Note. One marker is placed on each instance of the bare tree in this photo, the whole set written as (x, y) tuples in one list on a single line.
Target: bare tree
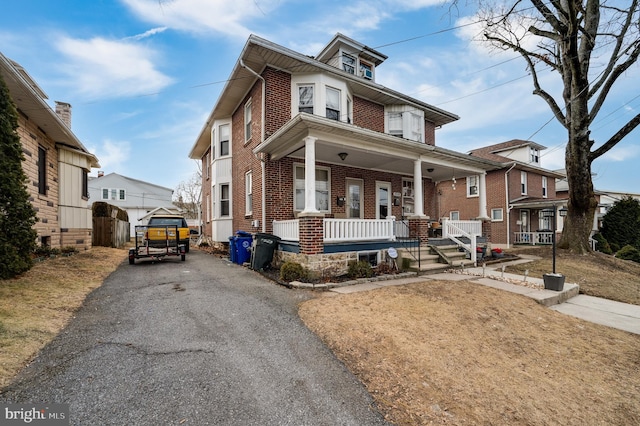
[(565, 35), (187, 196)]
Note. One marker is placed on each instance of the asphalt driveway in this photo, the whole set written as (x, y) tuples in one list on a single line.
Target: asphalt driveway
[(201, 342)]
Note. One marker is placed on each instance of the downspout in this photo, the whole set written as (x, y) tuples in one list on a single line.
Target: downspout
[(506, 194), (263, 200)]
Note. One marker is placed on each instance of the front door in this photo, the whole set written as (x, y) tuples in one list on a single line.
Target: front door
[(354, 199), (383, 200)]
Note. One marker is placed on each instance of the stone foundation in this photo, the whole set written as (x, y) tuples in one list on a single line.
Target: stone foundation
[(323, 264)]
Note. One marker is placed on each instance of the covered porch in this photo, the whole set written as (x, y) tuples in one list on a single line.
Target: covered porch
[(535, 221)]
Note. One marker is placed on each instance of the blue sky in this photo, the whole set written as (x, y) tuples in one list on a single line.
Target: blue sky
[(142, 75)]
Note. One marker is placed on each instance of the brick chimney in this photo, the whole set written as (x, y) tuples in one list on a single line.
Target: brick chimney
[(63, 110)]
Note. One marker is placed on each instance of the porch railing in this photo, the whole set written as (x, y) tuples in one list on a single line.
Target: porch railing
[(287, 230), (471, 229), (358, 229), (339, 230), (533, 238)]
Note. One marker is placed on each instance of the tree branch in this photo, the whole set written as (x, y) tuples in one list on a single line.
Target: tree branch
[(620, 134)]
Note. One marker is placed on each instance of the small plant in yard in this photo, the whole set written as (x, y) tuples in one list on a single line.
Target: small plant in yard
[(629, 252), (360, 269), (292, 271)]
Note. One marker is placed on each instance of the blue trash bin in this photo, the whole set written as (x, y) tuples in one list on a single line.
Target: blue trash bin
[(243, 247), (233, 251)]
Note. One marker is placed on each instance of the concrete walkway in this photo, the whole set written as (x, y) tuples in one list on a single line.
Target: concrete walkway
[(622, 316)]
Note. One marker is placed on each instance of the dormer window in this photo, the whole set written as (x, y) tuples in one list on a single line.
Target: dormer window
[(534, 156), (366, 70), (349, 63)]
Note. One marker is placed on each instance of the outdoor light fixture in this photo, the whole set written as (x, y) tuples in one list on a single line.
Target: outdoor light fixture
[(429, 170), (563, 211), (342, 155), (553, 281)]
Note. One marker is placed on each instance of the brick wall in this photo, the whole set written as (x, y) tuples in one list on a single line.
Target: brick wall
[(368, 115), (46, 205)]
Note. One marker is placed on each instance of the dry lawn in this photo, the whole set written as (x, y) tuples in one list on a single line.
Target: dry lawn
[(444, 352), (597, 274), (37, 305)]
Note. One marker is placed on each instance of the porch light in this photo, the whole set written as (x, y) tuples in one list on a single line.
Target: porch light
[(342, 155), (563, 211)]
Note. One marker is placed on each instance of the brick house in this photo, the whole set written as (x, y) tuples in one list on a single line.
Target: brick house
[(373, 151), (56, 163), (517, 195)]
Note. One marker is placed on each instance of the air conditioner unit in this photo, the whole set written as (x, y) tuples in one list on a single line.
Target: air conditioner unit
[(368, 74)]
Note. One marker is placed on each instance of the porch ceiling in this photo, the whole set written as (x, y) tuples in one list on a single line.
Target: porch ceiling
[(367, 149)]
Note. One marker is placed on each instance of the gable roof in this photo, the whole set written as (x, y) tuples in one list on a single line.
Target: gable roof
[(259, 53), (30, 100), (494, 152), (151, 187)]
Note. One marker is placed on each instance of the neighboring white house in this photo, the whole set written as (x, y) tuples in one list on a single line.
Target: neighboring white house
[(137, 197)]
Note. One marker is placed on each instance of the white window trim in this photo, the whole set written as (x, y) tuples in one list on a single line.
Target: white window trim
[(300, 208), (219, 214), (545, 187), (313, 104), (248, 123), (409, 115), (456, 213), (493, 218), (524, 187), (469, 186), (326, 101), (228, 125), (248, 188), (117, 194), (368, 253)]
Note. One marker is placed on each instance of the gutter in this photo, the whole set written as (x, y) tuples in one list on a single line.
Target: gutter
[(263, 200), (508, 207)]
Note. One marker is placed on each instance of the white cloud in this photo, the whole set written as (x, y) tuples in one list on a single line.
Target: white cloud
[(221, 16), (112, 155), (109, 68), (623, 151), (148, 33)]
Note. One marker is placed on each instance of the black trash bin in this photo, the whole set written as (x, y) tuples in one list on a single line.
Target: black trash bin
[(265, 245)]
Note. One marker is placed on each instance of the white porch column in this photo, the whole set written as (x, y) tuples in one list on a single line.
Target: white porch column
[(310, 175), (417, 187), (482, 198)]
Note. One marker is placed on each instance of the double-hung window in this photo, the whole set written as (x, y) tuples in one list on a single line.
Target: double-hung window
[(534, 155), (523, 182), (248, 189), (224, 200), (472, 186), (322, 188), (247, 121), (305, 98), (349, 63), (333, 103), (544, 187), (223, 131)]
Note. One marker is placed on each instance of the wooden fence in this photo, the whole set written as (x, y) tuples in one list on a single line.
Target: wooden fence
[(110, 232)]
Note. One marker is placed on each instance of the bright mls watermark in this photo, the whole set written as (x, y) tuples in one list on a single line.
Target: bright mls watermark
[(35, 414)]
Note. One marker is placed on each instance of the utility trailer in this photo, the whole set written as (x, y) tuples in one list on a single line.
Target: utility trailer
[(157, 242)]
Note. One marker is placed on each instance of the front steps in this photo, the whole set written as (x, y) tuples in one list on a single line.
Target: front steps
[(434, 259)]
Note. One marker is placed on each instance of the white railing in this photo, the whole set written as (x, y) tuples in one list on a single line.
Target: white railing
[(339, 230), (401, 228), (336, 230), (457, 228), (533, 238), (471, 229), (287, 230)]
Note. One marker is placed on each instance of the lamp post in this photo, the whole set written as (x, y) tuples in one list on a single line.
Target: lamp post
[(553, 281)]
